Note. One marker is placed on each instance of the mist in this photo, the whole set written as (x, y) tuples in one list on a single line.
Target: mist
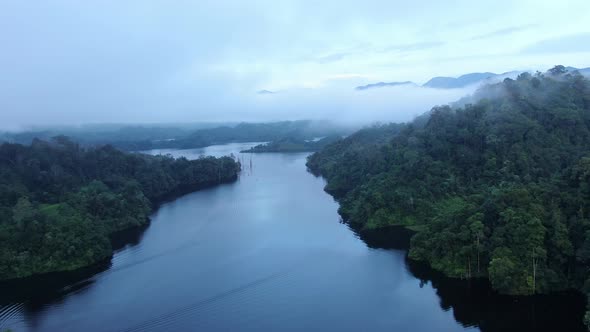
[(334, 102), (69, 63), (343, 105)]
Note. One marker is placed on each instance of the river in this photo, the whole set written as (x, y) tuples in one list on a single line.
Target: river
[(267, 253)]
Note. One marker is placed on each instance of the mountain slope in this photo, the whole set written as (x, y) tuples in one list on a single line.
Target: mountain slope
[(448, 82), (59, 203), (459, 82), (498, 189)]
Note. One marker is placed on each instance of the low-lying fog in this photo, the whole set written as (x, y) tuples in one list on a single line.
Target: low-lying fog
[(72, 62)]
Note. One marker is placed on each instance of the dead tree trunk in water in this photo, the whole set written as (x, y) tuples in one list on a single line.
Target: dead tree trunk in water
[(478, 254), (534, 271)]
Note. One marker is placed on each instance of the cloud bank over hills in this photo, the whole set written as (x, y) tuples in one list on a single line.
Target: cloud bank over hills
[(70, 62), (463, 81)]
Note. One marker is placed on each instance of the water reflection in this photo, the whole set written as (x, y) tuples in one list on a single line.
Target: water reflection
[(31, 296), (128, 238), (474, 303), (263, 254)]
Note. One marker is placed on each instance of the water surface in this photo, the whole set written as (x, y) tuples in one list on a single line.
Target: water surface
[(266, 253)]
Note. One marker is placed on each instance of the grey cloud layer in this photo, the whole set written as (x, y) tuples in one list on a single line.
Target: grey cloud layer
[(67, 61)]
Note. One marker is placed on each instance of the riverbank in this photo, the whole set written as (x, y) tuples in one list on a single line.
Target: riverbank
[(268, 253), (61, 203), (101, 263)]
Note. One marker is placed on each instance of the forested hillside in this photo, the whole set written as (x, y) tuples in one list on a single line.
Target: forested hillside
[(354, 159), (499, 188), (60, 202)]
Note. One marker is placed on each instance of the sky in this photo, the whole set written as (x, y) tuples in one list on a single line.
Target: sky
[(73, 62)]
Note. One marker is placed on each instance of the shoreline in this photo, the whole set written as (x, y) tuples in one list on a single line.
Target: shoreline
[(115, 239)]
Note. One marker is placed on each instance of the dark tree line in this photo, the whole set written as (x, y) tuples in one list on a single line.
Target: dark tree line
[(498, 188), (141, 138), (283, 134), (60, 202), (291, 144)]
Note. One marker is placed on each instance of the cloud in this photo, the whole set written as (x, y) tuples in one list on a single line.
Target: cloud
[(561, 44), (70, 62), (332, 57), (414, 46), (265, 92), (336, 101), (504, 31)]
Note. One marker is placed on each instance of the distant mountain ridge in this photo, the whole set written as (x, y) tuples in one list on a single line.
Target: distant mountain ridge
[(444, 82), (583, 71)]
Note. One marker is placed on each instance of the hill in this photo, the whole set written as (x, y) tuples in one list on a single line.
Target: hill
[(59, 203), (443, 82), (459, 82), (499, 188)]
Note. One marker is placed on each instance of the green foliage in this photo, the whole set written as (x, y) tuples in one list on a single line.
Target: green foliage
[(504, 273), (354, 156), (497, 188), (59, 203), (291, 144)]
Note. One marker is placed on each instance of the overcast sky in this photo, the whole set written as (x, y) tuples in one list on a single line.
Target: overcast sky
[(149, 61)]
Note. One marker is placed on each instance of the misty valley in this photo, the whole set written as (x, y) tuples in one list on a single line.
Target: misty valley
[(473, 216), (295, 165)]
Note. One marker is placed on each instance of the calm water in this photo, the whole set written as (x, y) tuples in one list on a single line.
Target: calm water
[(267, 253)]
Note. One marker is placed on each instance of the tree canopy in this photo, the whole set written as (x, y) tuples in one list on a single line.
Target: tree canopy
[(496, 188), (60, 202)]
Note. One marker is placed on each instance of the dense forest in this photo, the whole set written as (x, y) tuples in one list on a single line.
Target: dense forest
[(497, 188), (59, 202)]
